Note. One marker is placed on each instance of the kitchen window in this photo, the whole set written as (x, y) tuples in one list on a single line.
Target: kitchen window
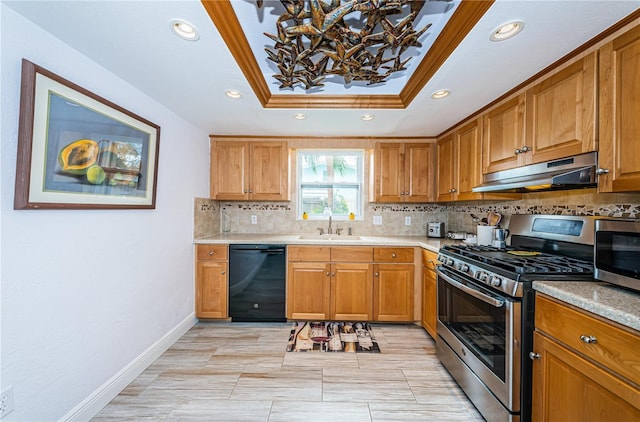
[(330, 183)]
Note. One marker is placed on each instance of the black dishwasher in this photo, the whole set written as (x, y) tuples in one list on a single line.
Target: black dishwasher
[(257, 282)]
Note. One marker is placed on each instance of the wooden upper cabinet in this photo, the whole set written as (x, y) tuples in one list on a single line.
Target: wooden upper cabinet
[(403, 172), (503, 135), (389, 172), (418, 172), (446, 169), (555, 118), (619, 122), (249, 171), (460, 165), (229, 170), (269, 175), (561, 113), (468, 144)]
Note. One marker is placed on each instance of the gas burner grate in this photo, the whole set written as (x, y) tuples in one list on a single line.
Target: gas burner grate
[(543, 263)]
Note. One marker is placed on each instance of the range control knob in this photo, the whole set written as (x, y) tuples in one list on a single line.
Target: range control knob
[(449, 262), (482, 276), (496, 281), (464, 268)]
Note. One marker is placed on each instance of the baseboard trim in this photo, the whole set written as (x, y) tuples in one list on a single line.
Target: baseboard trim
[(90, 406)]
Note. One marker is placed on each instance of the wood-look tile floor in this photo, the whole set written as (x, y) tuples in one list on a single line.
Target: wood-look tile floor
[(222, 371)]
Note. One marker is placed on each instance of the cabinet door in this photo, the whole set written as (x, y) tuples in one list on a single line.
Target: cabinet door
[(468, 147), (561, 113), (619, 125), (352, 292), (429, 296), (389, 172), (503, 135), (418, 175), (567, 387), (393, 292), (229, 170), (446, 169), (211, 289), (308, 290), (269, 176)]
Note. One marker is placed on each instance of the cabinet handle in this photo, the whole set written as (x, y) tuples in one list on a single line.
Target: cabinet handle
[(393, 255), (250, 191), (327, 273), (245, 191), (224, 272), (525, 149), (211, 253), (376, 274), (534, 355), (333, 274), (453, 190), (602, 171), (589, 339), (518, 151)]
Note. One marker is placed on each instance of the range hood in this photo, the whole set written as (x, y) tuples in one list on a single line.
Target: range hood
[(578, 171)]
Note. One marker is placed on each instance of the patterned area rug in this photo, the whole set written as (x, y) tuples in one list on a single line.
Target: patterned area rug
[(332, 337)]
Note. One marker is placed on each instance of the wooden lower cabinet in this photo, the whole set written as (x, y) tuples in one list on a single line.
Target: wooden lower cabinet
[(578, 380), (393, 292), (308, 290), (345, 283), (351, 286), (211, 281), (429, 292)]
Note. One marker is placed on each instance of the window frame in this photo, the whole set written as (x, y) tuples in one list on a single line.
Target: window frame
[(359, 185)]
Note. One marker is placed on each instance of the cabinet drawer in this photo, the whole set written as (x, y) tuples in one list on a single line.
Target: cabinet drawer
[(351, 254), (429, 259), (309, 253), (212, 252), (393, 255), (614, 348)]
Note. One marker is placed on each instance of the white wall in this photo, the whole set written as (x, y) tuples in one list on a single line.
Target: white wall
[(86, 293)]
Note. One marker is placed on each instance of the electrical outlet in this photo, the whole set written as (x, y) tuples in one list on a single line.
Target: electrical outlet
[(6, 401), (377, 220), (407, 221), (254, 219)]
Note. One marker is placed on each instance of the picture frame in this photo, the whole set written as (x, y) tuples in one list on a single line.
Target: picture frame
[(77, 150)]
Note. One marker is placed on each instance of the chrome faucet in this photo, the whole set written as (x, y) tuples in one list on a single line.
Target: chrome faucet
[(329, 231)]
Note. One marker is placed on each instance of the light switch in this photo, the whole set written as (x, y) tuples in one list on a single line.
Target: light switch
[(407, 221)]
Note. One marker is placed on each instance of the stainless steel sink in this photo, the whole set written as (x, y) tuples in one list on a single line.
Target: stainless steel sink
[(327, 237)]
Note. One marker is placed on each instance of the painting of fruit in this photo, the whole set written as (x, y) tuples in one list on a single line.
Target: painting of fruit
[(111, 162)]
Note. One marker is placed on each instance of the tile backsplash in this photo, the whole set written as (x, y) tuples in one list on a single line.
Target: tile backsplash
[(212, 217)]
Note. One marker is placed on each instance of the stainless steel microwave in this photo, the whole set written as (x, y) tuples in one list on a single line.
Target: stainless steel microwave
[(617, 252)]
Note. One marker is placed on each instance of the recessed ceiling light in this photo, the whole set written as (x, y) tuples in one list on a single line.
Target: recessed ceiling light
[(232, 93), (506, 31), (367, 117), (300, 116), (441, 93), (184, 30)]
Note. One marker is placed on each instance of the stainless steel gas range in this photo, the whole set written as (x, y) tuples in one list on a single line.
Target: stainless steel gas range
[(486, 307)]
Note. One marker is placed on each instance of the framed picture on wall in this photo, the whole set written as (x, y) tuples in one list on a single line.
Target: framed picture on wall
[(77, 150)]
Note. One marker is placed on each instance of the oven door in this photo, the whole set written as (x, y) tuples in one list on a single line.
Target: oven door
[(483, 329)]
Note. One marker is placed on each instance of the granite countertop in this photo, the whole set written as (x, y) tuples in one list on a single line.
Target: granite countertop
[(603, 299), (329, 240)]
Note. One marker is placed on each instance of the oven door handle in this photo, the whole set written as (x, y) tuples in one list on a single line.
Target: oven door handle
[(473, 292)]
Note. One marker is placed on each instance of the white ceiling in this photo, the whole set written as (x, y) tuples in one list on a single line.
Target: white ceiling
[(133, 40)]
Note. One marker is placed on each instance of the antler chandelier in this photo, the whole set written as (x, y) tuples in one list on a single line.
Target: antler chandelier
[(313, 40)]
